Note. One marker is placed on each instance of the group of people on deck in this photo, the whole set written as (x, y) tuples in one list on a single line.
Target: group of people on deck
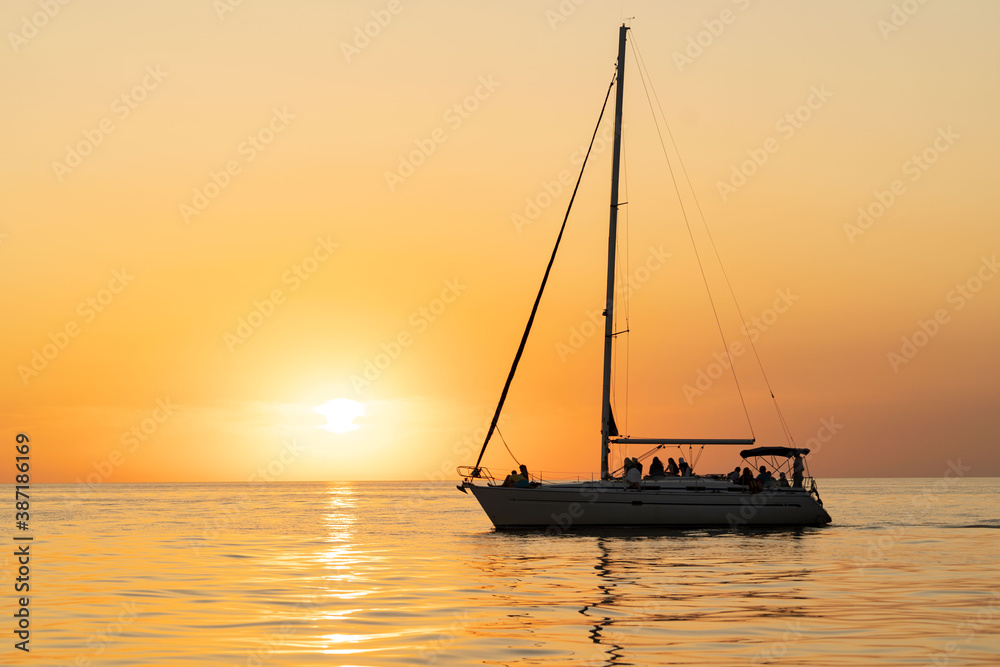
[(634, 476), (763, 480), (656, 469), (518, 478)]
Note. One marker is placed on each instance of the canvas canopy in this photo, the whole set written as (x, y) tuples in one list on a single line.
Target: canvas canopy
[(786, 452)]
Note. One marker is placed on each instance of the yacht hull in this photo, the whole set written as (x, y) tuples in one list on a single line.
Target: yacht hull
[(694, 503)]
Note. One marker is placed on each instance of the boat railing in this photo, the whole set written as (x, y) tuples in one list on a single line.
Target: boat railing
[(470, 473), (808, 485), (551, 477)]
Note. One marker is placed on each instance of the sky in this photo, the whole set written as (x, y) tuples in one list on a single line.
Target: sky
[(218, 216)]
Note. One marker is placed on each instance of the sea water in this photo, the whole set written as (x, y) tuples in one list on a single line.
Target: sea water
[(412, 573)]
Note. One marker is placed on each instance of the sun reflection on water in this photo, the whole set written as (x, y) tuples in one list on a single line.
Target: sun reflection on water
[(310, 574)]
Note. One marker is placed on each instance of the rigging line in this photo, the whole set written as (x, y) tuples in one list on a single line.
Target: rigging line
[(614, 379), (545, 278), (781, 418), (625, 277), (621, 266), (698, 457), (627, 346), (624, 272), (687, 223), (628, 269), (508, 448), (715, 249)]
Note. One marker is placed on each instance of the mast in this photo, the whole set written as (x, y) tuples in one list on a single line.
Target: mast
[(609, 308)]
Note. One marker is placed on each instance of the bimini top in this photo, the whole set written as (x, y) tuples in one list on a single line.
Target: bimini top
[(787, 452)]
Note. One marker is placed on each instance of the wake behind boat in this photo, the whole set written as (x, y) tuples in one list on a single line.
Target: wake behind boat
[(622, 497)]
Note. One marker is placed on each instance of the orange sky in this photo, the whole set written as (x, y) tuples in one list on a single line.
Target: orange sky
[(214, 221)]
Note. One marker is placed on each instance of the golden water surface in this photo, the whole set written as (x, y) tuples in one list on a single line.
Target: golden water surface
[(413, 574)]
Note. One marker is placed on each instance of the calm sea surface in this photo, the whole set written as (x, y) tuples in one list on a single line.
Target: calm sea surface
[(413, 574)]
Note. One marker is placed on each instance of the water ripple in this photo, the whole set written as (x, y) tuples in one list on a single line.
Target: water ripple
[(371, 574)]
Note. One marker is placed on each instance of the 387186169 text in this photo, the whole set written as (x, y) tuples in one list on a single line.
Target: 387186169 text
[(22, 546)]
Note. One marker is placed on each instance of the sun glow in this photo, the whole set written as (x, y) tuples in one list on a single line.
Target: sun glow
[(340, 414)]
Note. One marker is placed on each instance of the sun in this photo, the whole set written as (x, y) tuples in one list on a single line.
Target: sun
[(340, 414)]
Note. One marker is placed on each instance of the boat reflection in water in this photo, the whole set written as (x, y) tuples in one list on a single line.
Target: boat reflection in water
[(637, 600)]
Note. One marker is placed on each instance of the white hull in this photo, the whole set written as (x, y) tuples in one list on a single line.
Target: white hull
[(675, 502)]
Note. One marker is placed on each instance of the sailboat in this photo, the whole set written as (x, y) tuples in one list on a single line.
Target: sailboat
[(666, 500)]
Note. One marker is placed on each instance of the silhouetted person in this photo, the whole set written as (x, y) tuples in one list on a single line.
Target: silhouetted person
[(525, 477), (685, 468), (764, 478), (734, 476), (510, 480), (633, 478), (782, 480), (746, 479), (798, 468), (656, 467), (672, 466)]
